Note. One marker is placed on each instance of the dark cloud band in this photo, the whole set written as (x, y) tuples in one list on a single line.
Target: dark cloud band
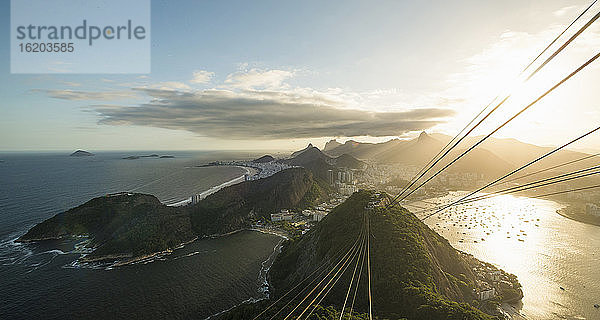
[(264, 115)]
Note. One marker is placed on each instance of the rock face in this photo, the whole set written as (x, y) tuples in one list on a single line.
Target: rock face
[(81, 153), (331, 144), (295, 154)]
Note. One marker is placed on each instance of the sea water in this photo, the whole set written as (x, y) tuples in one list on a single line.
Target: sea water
[(44, 280), (557, 260)]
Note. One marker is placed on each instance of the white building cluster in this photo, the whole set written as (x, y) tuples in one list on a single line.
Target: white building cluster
[(283, 215), (265, 169), (343, 180), (592, 209)]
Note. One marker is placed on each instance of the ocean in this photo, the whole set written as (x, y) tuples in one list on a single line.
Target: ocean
[(557, 260), (43, 281)]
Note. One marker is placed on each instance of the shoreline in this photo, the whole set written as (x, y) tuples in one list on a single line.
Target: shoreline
[(117, 260), (134, 259), (264, 286), (582, 218), (114, 258), (213, 189), (564, 211)]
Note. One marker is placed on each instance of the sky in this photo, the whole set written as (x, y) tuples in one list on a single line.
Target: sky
[(276, 75)]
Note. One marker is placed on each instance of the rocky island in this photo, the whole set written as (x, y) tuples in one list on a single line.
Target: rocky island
[(81, 153)]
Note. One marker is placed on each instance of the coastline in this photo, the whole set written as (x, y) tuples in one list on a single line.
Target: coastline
[(262, 274), (214, 189), (130, 259), (583, 218), (124, 259), (566, 211), (263, 284), (83, 259)]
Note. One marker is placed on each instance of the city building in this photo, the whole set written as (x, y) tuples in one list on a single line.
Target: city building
[(319, 215), (485, 294), (592, 209), (331, 176), (283, 215), (196, 198)]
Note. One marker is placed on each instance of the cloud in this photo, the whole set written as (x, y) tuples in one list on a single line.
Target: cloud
[(201, 77), (263, 114), (88, 95), (258, 104), (562, 11), (256, 78), (71, 84), (170, 85), (60, 66)]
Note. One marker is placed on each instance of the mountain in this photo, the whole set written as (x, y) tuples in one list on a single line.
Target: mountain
[(237, 206), (421, 150), (331, 144), (307, 155), (320, 163), (363, 150), (479, 161), (263, 159), (348, 161), (510, 149), (130, 225), (415, 273), (122, 225), (518, 153), (417, 151), (309, 147), (314, 160), (81, 153)]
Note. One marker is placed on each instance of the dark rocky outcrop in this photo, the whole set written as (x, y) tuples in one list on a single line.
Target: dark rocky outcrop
[(81, 153)]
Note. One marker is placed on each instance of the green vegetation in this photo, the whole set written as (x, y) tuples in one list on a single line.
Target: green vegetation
[(134, 225), (416, 274), (249, 311), (239, 205), (124, 224), (293, 231)]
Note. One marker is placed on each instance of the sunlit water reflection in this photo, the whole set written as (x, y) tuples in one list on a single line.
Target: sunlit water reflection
[(556, 259)]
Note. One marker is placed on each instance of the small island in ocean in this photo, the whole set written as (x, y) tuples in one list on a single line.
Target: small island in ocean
[(81, 153)]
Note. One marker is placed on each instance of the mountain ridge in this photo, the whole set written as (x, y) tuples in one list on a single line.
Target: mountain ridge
[(501, 154)]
